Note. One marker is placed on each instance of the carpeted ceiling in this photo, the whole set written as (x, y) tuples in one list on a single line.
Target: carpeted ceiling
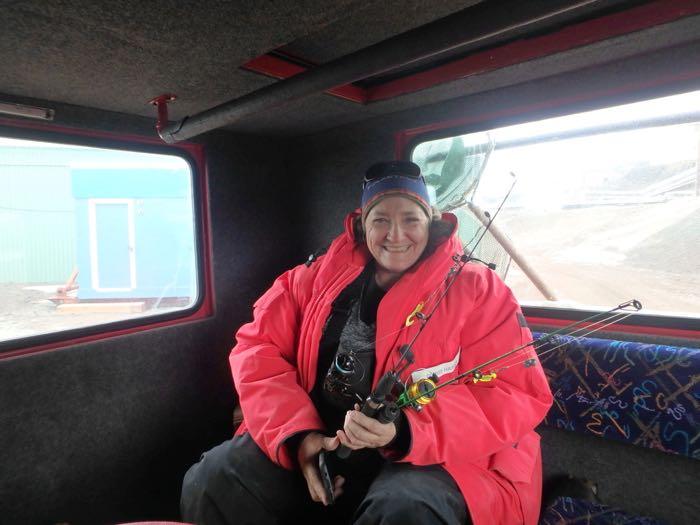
[(118, 55), (372, 23)]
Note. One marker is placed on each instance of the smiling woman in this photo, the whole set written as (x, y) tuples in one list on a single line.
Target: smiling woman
[(396, 217), (299, 394), (396, 234), (165, 167)]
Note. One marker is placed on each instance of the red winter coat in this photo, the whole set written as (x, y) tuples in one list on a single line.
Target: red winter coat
[(481, 433)]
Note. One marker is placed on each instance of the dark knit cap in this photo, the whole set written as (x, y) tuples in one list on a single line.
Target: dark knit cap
[(398, 177)]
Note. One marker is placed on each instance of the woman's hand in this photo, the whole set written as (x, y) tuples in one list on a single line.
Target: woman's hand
[(361, 431), (307, 456)]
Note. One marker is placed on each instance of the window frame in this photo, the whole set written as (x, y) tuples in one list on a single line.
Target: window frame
[(640, 323), (193, 155)]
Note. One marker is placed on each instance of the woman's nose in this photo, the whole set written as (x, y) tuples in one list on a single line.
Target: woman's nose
[(395, 231)]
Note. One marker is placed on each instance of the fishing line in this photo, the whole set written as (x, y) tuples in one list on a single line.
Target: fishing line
[(477, 371), (611, 319), (607, 322)]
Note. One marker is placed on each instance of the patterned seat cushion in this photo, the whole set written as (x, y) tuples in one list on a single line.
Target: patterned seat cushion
[(643, 394), (569, 511)]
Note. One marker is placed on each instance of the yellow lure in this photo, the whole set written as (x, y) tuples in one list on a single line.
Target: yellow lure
[(412, 317), (484, 378)]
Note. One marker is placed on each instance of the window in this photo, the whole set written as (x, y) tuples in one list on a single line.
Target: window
[(90, 236), (605, 206)]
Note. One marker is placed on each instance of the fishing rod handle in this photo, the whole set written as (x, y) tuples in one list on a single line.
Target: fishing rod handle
[(388, 413), (385, 414), (343, 452), (374, 404), (367, 409)]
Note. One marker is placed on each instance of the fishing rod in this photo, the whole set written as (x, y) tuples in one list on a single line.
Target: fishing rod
[(461, 261), (376, 404), (423, 391), (383, 406)]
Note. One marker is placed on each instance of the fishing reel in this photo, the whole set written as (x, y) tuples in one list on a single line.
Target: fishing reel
[(419, 393), (344, 375)]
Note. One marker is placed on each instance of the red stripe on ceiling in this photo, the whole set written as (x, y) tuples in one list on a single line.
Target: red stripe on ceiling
[(584, 33), (578, 35), (273, 66), (621, 328), (276, 67)]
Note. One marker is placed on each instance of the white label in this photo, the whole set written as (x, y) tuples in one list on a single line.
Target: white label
[(438, 370)]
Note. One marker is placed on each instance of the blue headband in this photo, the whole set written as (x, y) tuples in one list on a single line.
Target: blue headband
[(411, 185)]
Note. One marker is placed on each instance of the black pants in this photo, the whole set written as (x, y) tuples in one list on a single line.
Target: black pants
[(236, 484)]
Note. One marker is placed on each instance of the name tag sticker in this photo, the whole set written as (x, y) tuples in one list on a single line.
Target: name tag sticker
[(438, 370)]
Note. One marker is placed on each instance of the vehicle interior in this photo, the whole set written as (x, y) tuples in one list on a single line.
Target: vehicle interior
[(221, 143)]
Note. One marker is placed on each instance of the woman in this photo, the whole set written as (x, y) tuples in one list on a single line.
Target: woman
[(321, 338)]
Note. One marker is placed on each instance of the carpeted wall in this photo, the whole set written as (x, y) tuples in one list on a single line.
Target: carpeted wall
[(103, 432)]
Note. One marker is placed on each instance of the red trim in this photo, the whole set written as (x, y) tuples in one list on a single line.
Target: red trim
[(623, 328), (407, 137), (196, 152), (276, 67), (570, 37), (577, 35), (404, 138), (81, 132)]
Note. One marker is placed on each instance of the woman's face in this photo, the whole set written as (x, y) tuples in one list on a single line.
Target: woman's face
[(396, 231)]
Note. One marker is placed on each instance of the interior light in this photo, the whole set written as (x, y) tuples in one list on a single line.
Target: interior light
[(20, 110)]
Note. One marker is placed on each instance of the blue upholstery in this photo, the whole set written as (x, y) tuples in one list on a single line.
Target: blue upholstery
[(642, 394), (566, 511)]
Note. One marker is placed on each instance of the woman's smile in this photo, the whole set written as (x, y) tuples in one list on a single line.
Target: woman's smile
[(396, 231), (397, 249)]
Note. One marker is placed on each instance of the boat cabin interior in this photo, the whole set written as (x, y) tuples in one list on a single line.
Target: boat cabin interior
[(161, 163)]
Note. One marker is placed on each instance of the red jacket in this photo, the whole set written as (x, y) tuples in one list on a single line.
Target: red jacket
[(481, 433)]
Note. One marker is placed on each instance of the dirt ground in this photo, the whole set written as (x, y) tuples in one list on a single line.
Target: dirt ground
[(606, 255), (25, 310), (594, 257)]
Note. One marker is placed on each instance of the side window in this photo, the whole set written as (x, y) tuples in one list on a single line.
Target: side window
[(605, 206), (90, 236)]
